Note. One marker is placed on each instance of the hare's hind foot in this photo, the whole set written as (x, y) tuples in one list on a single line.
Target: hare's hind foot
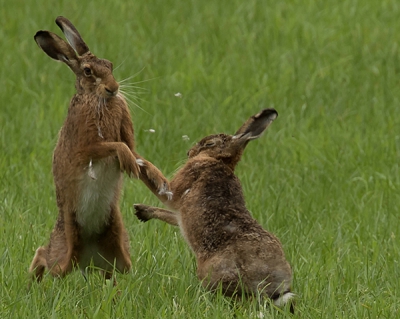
[(38, 264), (287, 298)]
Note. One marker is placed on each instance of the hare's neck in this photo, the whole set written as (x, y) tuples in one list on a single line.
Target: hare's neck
[(78, 87), (99, 107), (231, 162)]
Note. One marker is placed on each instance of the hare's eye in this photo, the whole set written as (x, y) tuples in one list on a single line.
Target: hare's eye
[(87, 71), (210, 144)]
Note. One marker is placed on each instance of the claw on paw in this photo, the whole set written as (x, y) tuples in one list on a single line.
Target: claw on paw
[(163, 191), (169, 195), (134, 175), (140, 162)]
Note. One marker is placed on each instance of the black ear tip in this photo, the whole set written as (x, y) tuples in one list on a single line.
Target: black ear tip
[(62, 21), (38, 34), (270, 112), (41, 36), (59, 21)]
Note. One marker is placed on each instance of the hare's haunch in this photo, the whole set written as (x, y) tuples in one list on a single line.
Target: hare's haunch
[(94, 148), (232, 250)]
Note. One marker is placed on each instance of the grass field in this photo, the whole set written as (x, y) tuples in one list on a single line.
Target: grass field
[(325, 178)]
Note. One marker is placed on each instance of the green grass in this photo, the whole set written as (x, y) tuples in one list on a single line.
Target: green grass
[(325, 178)]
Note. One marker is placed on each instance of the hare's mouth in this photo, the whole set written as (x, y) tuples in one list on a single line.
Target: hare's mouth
[(107, 91)]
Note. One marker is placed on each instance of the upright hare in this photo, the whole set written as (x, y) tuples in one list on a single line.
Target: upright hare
[(231, 248), (94, 148)]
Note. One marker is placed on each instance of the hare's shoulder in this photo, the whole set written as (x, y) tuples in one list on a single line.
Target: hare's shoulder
[(193, 169), (203, 166)]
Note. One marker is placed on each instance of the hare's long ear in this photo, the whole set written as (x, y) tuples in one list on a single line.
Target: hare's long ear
[(56, 48), (256, 125), (72, 35)]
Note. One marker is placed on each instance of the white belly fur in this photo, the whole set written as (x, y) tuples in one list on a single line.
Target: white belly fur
[(97, 191)]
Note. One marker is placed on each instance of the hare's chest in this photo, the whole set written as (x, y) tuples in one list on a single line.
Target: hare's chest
[(99, 187)]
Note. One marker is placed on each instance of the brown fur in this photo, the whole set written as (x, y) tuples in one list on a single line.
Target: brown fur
[(94, 148), (231, 248)]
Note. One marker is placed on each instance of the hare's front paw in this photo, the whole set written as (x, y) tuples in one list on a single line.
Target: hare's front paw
[(143, 212), (133, 169), (152, 176), (130, 166), (140, 162), (165, 190)]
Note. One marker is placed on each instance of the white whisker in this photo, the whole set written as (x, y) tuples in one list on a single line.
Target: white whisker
[(133, 87), (132, 96), (132, 76), (132, 90), (120, 64), (129, 100), (157, 77)]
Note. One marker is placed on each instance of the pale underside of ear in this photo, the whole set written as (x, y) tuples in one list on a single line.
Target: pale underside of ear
[(256, 125), (72, 35)]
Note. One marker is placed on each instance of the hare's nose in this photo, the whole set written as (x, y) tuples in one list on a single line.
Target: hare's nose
[(111, 90)]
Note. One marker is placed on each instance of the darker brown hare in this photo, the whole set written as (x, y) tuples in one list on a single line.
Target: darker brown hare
[(95, 146), (232, 250)]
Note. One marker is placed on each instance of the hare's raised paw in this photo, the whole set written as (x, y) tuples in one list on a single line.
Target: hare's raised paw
[(132, 169), (143, 212), (153, 178), (140, 162), (127, 160), (160, 183)]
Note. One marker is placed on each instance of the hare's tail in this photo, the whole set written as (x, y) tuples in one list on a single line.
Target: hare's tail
[(284, 299)]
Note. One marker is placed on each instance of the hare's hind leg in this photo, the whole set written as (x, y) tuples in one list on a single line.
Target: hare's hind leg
[(121, 259), (62, 249), (56, 256), (220, 272), (58, 267), (145, 213), (38, 264), (114, 245)]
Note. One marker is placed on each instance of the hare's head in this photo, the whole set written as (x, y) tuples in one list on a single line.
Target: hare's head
[(229, 148), (93, 75)]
